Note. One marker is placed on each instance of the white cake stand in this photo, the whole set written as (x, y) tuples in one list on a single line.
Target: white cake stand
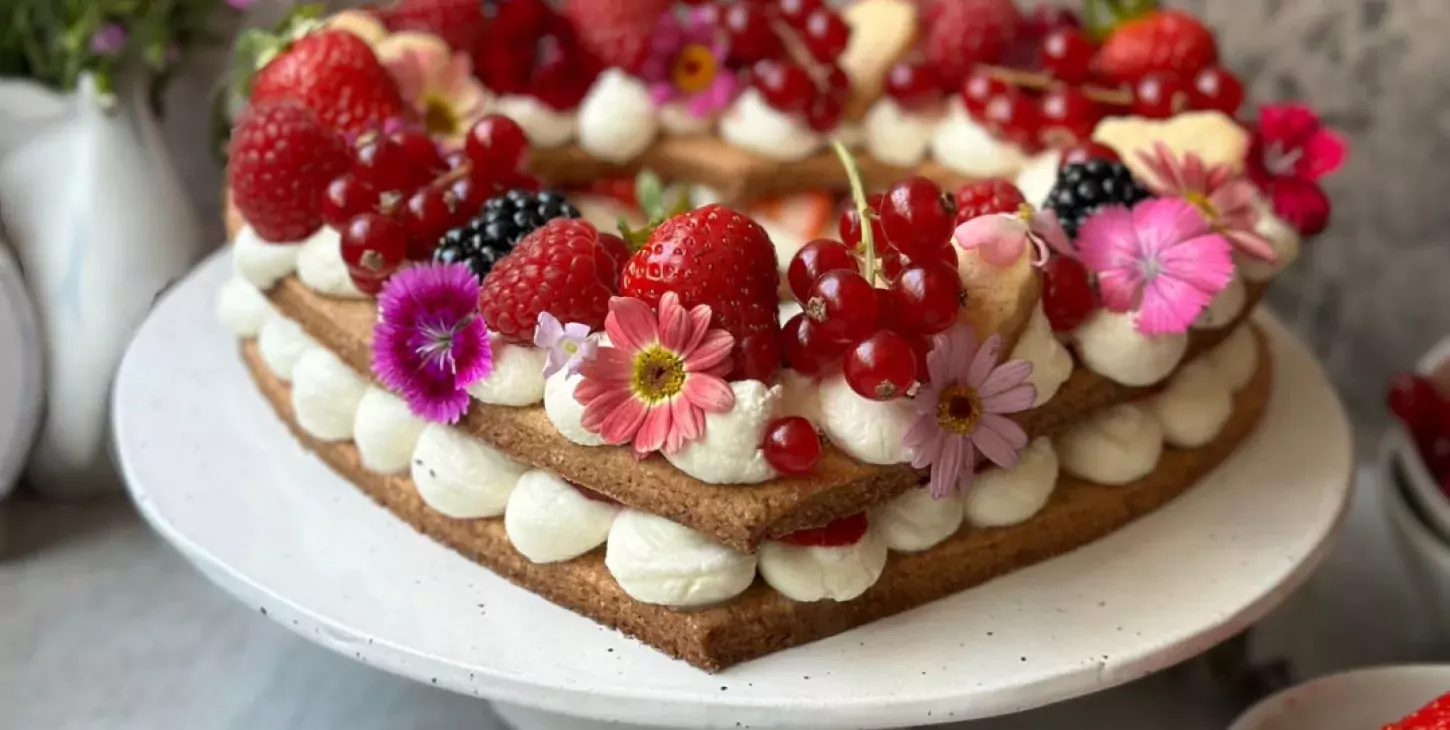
[(219, 476)]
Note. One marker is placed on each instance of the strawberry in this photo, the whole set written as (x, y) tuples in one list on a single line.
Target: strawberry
[(963, 33), (1434, 716), (1169, 41), (335, 74), (564, 268), (280, 162), (716, 256), (993, 195), (460, 23), (616, 31)]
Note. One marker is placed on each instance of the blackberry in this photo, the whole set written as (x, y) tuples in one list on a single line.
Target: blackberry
[(1083, 187), (499, 226)]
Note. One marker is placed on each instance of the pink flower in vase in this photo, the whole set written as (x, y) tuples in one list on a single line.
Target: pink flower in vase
[(1226, 201), (657, 378), (1288, 153), (1160, 258), (686, 63)]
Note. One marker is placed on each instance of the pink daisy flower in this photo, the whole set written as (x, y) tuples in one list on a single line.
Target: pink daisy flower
[(1225, 200), (1000, 238), (430, 343), (961, 410), (1160, 258), (686, 63), (658, 376)]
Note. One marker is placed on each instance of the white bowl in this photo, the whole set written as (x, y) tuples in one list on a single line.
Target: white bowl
[(1419, 483), (20, 373), (1426, 553), (1363, 699)]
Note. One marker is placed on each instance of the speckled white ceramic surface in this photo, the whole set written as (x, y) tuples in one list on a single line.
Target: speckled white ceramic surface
[(1360, 700), (217, 475)]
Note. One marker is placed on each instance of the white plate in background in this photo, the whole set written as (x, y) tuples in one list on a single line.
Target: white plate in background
[(1363, 699), (20, 374)]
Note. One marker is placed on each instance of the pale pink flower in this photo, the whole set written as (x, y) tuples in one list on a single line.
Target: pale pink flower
[(658, 376), (1000, 238), (436, 81), (1227, 201), (960, 410), (1160, 258), (569, 345)]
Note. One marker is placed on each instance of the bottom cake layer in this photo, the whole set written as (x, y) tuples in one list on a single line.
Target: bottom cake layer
[(762, 621)]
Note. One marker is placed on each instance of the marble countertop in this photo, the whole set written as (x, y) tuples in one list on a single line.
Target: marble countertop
[(105, 626)]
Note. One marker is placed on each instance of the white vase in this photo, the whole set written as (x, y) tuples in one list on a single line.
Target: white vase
[(101, 226)]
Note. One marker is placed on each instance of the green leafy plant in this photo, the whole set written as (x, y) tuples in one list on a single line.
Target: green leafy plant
[(54, 42)]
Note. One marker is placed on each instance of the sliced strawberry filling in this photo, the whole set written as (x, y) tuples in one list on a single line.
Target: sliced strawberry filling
[(837, 533)]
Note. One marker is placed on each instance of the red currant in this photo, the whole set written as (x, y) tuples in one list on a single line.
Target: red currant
[(382, 164), (993, 195), (424, 162), (837, 533), (756, 357), (1067, 295), (805, 349), (916, 216), (825, 34), (497, 143), (751, 37), (825, 113), (927, 298), (1085, 151), (894, 262), (1159, 96), (1067, 117), (427, 215), (880, 367), (1416, 402), (796, 12), (913, 85), (470, 197), (812, 260), (979, 89), (373, 247), (344, 198), (1012, 115), (1216, 88), (455, 159), (791, 445), (1066, 54), (842, 305), (849, 224), (785, 86)]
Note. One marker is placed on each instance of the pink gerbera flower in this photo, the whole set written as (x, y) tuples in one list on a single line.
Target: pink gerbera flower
[(1000, 238), (1290, 150), (1225, 200), (686, 63), (430, 343), (960, 410), (658, 376), (1160, 258)]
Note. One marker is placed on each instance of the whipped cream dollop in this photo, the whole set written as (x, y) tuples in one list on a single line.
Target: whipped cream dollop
[(321, 268), (260, 262), (898, 136), (325, 395), (517, 378), (1038, 175), (1194, 406), (1282, 236), (544, 125), (675, 118), (1112, 347), (565, 412), (1001, 497), (816, 573), (617, 119), (549, 521), (729, 451), (915, 521), (868, 430), (385, 432), (460, 476), (1116, 445), (786, 243), (1224, 307), (967, 147), (800, 395), (1236, 358), (665, 563), (753, 124), (281, 342), (1051, 362), (242, 307)]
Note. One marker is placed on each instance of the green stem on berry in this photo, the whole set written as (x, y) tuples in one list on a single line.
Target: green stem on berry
[(858, 196), (649, 193)]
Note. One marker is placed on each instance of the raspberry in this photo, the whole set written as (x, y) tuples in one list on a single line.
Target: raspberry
[(993, 195), (281, 161), (562, 268)]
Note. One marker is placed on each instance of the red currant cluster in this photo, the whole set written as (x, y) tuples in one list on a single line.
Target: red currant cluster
[(1425, 412), (401, 194), (790, 48), (881, 335)]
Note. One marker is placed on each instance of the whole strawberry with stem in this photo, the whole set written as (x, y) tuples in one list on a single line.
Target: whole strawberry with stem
[(332, 72), (460, 23), (1163, 41), (281, 161), (715, 256)]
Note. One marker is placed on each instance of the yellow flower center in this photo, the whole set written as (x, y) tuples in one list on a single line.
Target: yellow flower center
[(1200, 201), (658, 375), (694, 69), (959, 409), (439, 118)]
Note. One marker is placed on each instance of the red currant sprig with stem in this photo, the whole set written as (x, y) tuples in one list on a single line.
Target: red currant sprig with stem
[(866, 251)]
